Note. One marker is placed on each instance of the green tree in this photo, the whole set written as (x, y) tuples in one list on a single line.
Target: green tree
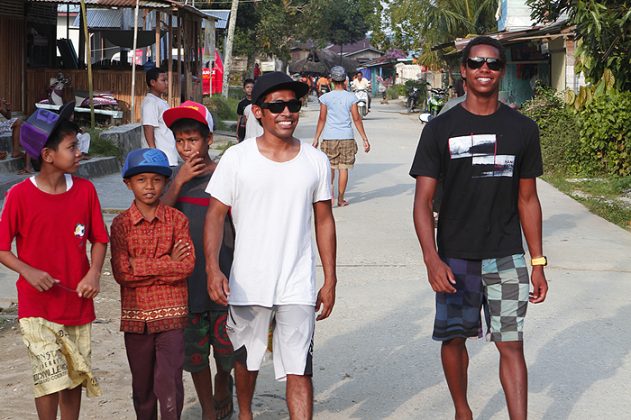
[(422, 24), (603, 32)]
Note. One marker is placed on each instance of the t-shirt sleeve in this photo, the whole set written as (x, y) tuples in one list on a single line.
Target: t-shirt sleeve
[(352, 99), (98, 231), (427, 158), (240, 107), (8, 221), (323, 191), (150, 114), (324, 99), (223, 182), (532, 163)]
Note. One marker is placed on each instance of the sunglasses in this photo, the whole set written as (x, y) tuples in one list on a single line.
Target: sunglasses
[(494, 64), (294, 105)]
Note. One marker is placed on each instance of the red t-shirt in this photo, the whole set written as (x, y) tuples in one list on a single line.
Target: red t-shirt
[(51, 232)]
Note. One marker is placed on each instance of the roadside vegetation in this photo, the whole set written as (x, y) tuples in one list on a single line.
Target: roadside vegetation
[(586, 145)]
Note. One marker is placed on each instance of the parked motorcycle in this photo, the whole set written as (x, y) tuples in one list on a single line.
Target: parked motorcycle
[(56, 91), (414, 96), (362, 103), (436, 99), (102, 100)]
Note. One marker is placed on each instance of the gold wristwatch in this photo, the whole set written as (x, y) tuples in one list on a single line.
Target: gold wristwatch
[(543, 261)]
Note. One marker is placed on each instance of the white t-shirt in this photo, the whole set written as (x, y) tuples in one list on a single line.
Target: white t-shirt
[(363, 84), (252, 126), (272, 208), (152, 109)]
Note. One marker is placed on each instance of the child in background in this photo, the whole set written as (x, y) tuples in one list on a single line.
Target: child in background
[(52, 216), (192, 128), (152, 256)]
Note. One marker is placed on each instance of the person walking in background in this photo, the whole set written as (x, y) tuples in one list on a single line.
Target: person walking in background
[(155, 132), (488, 157), (276, 188), (152, 255), (248, 84), (337, 109)]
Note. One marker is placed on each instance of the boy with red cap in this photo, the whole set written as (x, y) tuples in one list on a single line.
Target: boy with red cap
[(192, 127), (52, 216)]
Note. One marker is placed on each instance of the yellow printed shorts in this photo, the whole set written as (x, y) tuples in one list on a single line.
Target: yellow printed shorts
[(60, 356), (341, 153)]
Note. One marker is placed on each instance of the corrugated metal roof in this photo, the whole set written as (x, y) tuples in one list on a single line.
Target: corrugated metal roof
[(145, 4), (102, 18), (221, 17)]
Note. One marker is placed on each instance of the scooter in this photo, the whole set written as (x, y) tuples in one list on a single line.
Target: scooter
[(362, 103), (435, 102), (101, 99), (413, 97), (55, 92)]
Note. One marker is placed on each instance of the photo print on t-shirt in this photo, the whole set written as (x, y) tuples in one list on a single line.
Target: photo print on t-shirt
[(482, 149)]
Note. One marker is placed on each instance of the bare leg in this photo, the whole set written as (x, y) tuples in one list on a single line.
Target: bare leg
[(341, 187), (222, 389), (47, 406), (514, 378), (15, 137), (332, 183), (70, 403), (455, 364), (204, 389), (300, 397), (245, 383)]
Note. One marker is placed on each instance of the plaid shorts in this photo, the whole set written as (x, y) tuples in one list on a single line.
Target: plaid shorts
[(500, 286), (341, 153), (203, 330)]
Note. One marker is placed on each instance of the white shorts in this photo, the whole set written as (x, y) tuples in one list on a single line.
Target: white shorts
[(248, 328)]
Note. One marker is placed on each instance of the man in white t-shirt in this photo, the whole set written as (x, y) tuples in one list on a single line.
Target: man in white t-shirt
[(360, 83), (274, 186), (155, 132)]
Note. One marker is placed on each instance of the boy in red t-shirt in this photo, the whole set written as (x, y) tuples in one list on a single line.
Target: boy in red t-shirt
[(52, 216)]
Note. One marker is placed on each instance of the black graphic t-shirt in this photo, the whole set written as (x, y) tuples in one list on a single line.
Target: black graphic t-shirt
[(480, 160)]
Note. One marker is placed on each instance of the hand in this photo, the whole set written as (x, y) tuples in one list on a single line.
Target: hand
[(191, 168), (39, 279), (218, 288), (89, 286), (326, 300), (315, 143), (539, 285), (366, 146), (180, 251), (440, 276)]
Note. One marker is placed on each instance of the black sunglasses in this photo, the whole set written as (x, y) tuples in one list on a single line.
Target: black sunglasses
[(494, 64), (294, 105)]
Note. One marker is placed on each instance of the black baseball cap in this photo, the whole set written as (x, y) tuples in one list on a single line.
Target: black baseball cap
[(276, 80)]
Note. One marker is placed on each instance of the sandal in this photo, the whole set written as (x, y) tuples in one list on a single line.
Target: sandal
[(25, 171), (225, 407)]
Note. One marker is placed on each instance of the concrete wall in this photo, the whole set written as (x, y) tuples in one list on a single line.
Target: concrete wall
[(126, 137)]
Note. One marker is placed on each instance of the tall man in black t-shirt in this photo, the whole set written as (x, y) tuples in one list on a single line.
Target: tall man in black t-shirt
[(488, 157)]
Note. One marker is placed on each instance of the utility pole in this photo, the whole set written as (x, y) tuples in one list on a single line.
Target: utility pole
[(227, 61)]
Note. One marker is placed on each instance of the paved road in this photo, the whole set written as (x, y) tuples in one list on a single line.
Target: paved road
[(374, 357)]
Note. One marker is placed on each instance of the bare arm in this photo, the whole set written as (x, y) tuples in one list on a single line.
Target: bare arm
[(320, 127), (439, 274), (39, 279), (149, 135), (327, 246), (357, 119), (218, 287), (90, 284), (531, 222)]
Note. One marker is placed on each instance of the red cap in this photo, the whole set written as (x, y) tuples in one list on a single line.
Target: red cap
[(188, 109)]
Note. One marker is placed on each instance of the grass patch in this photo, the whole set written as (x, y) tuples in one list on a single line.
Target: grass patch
[(222, 108), (101, 147), (600, 195)]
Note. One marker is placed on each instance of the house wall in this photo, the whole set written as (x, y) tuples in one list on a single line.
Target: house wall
[(364, 56), (514, 14), (12, 52), (558, 64)]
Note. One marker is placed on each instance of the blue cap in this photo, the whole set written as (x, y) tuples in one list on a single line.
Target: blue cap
[(141, 161)]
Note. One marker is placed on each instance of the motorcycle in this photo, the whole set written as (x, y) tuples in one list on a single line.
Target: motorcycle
[(56, 92), (435, 102), (101, 99), (362, 103), (414, 95)]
